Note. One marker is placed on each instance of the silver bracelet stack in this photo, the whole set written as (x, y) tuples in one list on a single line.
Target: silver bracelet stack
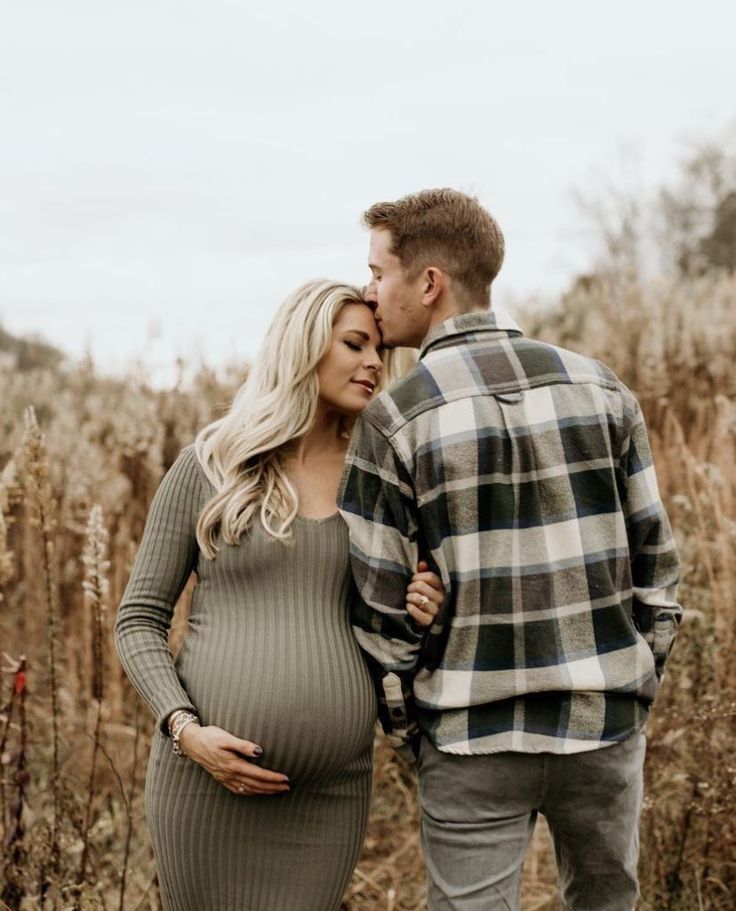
[(177, 721)]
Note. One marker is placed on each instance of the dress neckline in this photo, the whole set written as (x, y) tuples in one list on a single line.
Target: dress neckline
[(319, 521)]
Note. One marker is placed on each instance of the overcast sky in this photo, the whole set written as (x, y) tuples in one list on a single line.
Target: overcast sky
[(170, 170)]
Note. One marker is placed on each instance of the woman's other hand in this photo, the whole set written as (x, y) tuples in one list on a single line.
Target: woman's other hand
[(424, 596), (226, 758)]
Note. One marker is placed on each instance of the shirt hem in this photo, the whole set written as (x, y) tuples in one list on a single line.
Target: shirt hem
[(566, 746)]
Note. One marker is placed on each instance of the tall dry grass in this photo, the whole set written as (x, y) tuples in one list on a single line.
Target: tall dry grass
[(74, 491), (674, 344)]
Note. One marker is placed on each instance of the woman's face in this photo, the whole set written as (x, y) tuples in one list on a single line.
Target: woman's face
[(349, 371)]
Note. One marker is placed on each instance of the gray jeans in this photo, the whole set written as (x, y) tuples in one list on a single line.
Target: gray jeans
[(478, 815)]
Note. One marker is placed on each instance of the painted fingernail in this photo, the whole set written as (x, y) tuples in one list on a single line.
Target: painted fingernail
[(257, 751)]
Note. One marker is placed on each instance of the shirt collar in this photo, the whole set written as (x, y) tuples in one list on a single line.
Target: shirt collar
[(465, 323)]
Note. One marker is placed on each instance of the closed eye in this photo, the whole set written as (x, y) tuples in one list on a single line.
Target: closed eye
[(354, 345)]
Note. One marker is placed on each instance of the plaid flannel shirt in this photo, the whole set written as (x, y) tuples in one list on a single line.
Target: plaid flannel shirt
[(523, 473)]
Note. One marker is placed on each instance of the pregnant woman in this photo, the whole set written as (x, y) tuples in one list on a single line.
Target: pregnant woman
[(258, 781)]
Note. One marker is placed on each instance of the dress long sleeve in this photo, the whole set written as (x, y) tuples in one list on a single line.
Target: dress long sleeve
[(166, 558)]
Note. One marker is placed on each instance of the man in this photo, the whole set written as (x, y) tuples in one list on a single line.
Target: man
[(524, 473)]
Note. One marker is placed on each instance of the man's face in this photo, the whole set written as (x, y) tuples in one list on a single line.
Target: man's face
[(397, 298)]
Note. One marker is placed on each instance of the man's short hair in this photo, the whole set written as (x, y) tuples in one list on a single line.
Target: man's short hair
[(447, 229)]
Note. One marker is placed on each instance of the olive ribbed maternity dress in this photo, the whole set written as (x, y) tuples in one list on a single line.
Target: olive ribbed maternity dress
[(269, 657)]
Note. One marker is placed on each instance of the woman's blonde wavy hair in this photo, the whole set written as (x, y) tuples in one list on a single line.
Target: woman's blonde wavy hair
[(242, 453)]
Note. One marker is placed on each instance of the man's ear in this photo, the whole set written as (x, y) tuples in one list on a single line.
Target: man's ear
[(435, 282)]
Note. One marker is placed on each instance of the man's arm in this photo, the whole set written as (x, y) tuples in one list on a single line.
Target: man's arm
[(377, 501), (654, 561)]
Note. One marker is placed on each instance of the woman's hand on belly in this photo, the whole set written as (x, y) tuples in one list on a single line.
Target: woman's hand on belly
[(223, 756)]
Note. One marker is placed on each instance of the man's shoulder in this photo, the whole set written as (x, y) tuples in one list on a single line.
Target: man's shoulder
[(542, 359), (496, 367), (580, 368)]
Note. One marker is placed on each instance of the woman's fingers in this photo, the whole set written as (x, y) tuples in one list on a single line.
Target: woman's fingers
[(432, 580), (246, 778), (421, 608), (232, 762), (243, 769), (249, 769), (423, 617), (260, 776), (424, 596), (244, 785), (246, 788), (248, 748), (422, 587), (427, 604)]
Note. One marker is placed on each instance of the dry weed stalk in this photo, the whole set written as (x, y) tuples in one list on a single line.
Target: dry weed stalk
[(7, 561), (6, 719), (688, 831), (14, 848), (95, 587), (40, 503), (11, 568), (129, 804)]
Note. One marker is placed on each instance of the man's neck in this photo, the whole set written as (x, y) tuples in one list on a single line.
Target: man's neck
[(445, 310), (449, 309)]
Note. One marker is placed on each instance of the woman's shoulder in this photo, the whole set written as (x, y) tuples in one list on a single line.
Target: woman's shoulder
[(180, 490), (185, 469), (187, 458), (189, 464)]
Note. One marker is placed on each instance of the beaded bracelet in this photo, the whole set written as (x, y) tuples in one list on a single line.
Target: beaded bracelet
[(178, 720)]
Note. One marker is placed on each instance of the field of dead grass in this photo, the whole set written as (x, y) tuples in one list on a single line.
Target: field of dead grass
[(78, 472)]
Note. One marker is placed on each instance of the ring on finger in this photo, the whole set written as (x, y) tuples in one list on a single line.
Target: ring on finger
[(241, 788), (423, 601)]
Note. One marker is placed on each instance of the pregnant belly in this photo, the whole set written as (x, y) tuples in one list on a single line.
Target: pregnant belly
[(311, 709)]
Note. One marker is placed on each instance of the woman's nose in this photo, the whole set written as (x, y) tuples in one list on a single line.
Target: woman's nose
[(374, 362)]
